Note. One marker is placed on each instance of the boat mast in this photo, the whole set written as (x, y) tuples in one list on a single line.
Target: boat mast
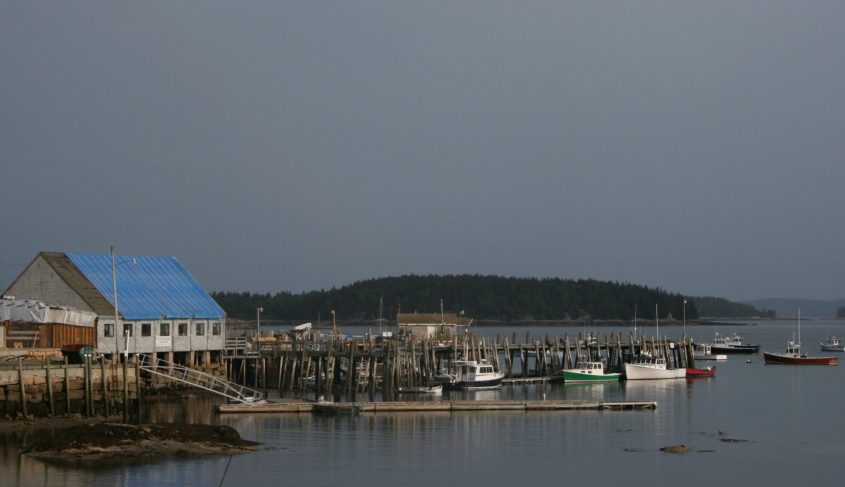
[(635, 321), (657, 326), (380, 317)]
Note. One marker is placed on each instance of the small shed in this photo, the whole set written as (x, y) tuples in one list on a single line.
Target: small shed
[(436, 326)]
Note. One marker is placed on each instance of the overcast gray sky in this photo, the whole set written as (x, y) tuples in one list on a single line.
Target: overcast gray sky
[(289, 146)]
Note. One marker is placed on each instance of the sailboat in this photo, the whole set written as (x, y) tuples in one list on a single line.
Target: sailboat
[(648, 367), (794, 356)]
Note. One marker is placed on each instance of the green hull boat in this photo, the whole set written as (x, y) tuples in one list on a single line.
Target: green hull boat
[(588, 372)]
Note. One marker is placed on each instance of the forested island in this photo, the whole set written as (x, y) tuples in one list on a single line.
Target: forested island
[(484, 298)]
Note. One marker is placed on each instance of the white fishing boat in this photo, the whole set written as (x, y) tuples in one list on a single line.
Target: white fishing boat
[(646, 368), (703, 351), (832, 344), (437, 389), (469, 374)]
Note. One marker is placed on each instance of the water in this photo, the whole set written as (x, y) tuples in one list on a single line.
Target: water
[(781, 423)]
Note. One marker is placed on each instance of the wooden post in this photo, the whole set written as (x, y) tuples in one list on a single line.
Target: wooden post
[(125, 392), (508, 359), (386, 371), (67, 388), (373, 378), (23, 387), (302, 372), (106, 405), (318, 380), (50, 389), (281, 361), (89, 387), (137, 386), (293, 365)]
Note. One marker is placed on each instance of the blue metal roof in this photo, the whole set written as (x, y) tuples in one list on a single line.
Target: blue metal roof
[(148, 288)]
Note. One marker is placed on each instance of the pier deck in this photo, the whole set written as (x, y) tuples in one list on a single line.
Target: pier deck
[(446, 406)]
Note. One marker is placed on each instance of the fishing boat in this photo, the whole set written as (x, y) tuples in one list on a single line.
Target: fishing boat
[(693, 373), (704, 351), (732, 344), (832, 344), (469, 374), (647, 367), (794, 356), (588, 372)]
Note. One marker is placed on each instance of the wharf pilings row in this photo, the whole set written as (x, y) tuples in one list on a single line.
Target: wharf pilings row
[(49, 387), (330, 365)]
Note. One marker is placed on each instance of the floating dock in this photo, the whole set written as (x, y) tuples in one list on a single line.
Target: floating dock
[(431, 406)]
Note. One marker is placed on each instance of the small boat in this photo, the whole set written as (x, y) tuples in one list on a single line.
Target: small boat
[(469, 374), (693, 373), (793, 355), (732, 344), (438, 389), (588, 372), (832, 344), (704, 351), (646, 368)]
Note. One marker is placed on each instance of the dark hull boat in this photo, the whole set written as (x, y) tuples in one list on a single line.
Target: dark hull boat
[(469, 374), (735, 349)]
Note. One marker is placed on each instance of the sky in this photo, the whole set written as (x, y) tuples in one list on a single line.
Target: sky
[(291, 146)]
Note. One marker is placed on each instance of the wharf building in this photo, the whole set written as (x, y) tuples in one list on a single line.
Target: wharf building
[(122, 305), (436, 326)]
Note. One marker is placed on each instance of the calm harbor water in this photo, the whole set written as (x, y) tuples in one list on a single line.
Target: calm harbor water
[(751, 423)]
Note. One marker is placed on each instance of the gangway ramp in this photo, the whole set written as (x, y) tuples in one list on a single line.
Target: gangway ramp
[(195, 378)]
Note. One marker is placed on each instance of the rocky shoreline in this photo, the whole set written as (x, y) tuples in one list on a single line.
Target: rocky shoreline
[(88, 443)]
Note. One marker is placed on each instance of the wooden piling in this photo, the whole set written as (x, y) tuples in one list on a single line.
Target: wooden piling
[(67, 388), (22, 386), (106, 406), (50, 389)]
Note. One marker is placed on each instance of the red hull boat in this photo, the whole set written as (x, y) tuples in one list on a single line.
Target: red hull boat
[(797, 359), (705, 372), (794, 356)]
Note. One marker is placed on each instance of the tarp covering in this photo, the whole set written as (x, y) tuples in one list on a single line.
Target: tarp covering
[(29, 310), (148, 288), (23, 310)]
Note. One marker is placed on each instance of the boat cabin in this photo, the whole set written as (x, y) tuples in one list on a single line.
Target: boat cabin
[(591, 367), (470, 370)]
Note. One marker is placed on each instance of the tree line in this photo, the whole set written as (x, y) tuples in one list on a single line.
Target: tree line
[(484, 298)]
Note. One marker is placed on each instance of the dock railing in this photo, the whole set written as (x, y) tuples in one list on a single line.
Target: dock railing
[(196, 378)]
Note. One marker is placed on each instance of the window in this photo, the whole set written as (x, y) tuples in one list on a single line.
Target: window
[(200, 329), (127, 329), (164, 330), (215, 328), (183, 329), (146, 329), (108, 329)]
